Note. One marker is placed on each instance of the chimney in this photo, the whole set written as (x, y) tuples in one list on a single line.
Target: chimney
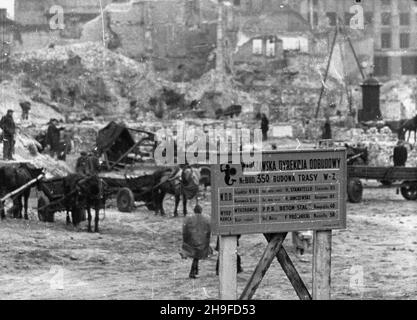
[(3, 14)]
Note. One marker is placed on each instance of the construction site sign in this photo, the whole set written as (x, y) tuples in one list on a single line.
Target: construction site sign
[(287, 191)]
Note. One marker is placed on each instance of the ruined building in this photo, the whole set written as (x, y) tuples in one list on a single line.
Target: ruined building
[(46, 22), (391, 23), (9, 33), (177, 35)]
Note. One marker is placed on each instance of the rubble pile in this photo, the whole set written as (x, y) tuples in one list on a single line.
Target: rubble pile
[(84, 77), (291, 92), (26, 150), (10, 96), (380, 145), (399, 99)]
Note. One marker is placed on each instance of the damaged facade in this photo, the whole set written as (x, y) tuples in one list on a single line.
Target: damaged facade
[(35, 16), (9, 33), (392, 24), (178, 35)]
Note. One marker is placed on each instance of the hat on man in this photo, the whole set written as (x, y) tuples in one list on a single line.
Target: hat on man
[(10, 111)]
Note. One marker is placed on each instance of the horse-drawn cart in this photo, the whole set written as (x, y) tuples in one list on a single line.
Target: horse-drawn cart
[(121, 146), (51, 199), (129, 190), (404, 178)]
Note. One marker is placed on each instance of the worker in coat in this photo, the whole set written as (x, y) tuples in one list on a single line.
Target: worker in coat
[(327, 130), (8, 126), (25, 105), (53, 137), (400, 154), (264, 127), (196, 233)]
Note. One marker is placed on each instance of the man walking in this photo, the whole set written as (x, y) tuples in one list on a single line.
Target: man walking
[(196, 234), (9, 129)]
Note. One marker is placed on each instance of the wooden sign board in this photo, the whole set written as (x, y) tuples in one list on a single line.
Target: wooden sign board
[(288, 191)]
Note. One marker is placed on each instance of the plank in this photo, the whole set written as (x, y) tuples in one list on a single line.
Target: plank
[(275, 242), (382, 173), (322, 250), (292, 273), (227, 267), (22, 188)]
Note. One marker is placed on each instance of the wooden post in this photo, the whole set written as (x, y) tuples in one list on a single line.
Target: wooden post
[(274, 244), (292, 274), (228, 267), (322, 250)]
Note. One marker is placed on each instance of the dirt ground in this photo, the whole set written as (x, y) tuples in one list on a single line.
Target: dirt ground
[(136, 256)]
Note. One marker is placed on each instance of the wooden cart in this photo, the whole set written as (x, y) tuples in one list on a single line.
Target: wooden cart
[(52, 199), (404, 178)]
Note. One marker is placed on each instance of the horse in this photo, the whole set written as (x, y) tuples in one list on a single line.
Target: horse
[(180, 182), (408, 126), (83, 191), (14, 177), (356, 156)]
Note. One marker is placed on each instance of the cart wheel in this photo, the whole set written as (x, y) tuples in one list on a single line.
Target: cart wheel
[(409, 190), (354, 190), (125, 200), (44, 215)]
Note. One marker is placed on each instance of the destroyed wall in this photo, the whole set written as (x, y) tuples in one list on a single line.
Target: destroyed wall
[(6, 36), (261, 50), (399, 99), (34, 18), (170, 32), (290, 89)]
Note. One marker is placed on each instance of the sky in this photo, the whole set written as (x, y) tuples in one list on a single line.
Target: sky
[(9, 5)]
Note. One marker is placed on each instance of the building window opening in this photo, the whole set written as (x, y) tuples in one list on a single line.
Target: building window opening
[(386, 18), (381, 65), (270, 47), (404, 40), (257, 46), (386, 40)]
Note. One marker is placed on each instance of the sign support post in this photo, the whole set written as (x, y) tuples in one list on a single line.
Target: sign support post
[(283, 192), (322, 250), (227, 267)]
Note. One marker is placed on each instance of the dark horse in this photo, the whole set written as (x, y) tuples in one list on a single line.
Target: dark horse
[(180, 182), (87, 192), (14, 177), (408, 126)]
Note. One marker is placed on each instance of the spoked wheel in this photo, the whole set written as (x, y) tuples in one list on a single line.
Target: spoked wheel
[(125, 200), (409, 190), (44, 214), (354, 190)]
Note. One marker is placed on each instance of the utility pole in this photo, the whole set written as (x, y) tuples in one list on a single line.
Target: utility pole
[(311, 13), (220, 72)]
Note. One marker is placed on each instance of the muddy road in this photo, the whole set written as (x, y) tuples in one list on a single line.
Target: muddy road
[(136, 256)]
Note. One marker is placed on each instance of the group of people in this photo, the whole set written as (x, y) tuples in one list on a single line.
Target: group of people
[(59, 145)]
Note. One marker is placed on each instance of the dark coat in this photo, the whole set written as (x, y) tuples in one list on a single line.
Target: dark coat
[(8, 126), (196, 237), (327, 131), (264, 123), (53, 137), (400, 156)]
